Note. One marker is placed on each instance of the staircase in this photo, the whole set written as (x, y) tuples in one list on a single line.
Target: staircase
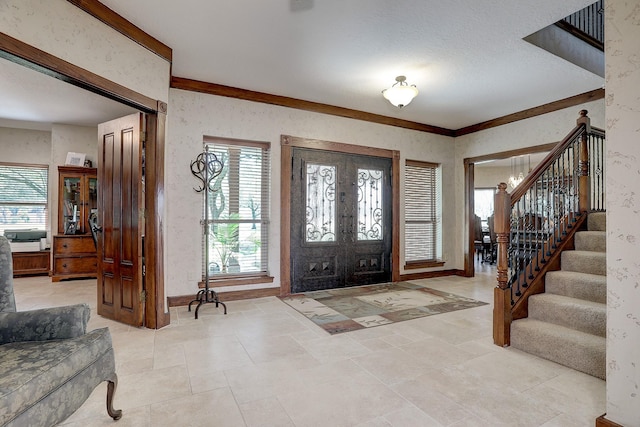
[(567, 323)]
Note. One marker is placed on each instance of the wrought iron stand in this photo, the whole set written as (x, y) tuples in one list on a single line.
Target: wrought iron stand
[(205, 168)]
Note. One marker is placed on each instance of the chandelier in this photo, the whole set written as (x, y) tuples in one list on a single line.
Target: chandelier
[(518, 171), (514, 181), (400, 93)]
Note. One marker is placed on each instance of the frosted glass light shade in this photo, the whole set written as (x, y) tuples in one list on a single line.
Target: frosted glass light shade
[(400, 94)]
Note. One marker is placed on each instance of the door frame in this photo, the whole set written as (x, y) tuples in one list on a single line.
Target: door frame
[(469, 199), (287, 144), (26, 55)]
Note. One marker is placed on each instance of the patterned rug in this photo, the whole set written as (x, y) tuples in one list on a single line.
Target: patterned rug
[(350, 309)]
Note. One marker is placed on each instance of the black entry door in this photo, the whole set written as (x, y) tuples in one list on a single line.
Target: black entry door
[(340, 220)]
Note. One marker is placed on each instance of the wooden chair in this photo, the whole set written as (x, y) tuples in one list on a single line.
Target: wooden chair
[(491, 253), (478, 242)]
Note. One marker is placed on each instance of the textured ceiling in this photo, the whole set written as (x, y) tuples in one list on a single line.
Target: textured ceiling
[(466, 57)]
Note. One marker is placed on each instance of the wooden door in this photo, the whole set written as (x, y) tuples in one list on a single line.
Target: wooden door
[(340, 220), (121, 215)]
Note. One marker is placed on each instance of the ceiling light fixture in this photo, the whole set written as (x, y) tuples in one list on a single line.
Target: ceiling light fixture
[(400, 93), (517, 177)]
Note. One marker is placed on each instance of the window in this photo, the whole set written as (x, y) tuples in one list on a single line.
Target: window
[(239, 208), (422, 227), (23, 197), (483, 202)]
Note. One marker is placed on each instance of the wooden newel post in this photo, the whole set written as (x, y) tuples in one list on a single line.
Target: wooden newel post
[(584, 185), (502, 292)]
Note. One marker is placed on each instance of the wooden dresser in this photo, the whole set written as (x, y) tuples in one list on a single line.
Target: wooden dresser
[(74, 256)]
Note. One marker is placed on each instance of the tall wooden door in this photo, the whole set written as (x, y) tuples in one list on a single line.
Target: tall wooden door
[(121, 215), (340, 220)]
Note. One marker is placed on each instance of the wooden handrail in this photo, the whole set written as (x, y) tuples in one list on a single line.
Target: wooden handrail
[(522, 259), (583, 123)]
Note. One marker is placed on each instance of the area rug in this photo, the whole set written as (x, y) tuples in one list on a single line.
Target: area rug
[(349, 309)]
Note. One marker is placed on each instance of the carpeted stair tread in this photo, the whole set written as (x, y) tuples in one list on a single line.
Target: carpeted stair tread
[(578, 314), (578, 350), (597, 221), (590, 287), (585, 262), (567, 323), (595, 241)]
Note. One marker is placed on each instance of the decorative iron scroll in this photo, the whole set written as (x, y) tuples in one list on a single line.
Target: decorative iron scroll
[(543, 215), (321, 203), (206, 167), (369, 204)]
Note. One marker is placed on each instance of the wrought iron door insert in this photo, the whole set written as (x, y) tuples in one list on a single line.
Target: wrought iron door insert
[(340, 220)]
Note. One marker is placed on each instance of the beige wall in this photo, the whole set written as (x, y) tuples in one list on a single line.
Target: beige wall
[(622, 30), (48, 148), (65, 139), (62, 29), (539, 130), (194, 115), (25, 146), (490, 177)]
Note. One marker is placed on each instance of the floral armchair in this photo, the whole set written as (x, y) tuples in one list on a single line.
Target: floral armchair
[(49, 364)]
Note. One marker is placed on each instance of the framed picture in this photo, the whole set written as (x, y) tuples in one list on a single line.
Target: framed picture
[(75, 159)]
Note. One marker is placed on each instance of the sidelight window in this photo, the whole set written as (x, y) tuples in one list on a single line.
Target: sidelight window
[(423, 213), (23, 197), (239, 208)]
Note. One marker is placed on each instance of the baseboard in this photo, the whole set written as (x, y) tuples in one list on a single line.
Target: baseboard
[(431, 274), (181, 300), (226, 296), (601, 421)]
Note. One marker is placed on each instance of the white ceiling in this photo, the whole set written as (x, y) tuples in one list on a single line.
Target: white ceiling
[(466, 57), (33, 100)]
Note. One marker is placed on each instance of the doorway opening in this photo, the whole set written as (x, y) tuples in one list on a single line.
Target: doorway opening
[(49, 66)]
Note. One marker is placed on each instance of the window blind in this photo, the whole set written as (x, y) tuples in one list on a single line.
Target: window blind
[(23, 197), (239, 208), (422, 207)]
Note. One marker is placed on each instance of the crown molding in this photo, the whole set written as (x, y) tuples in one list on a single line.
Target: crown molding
[(117, 22), (31, 57), (123, 26), (316, 107), (120, 24), (533, 112), (249, 95)]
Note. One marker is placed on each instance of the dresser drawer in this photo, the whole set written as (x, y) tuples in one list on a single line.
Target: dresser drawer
[(73, 244), (75, 265)]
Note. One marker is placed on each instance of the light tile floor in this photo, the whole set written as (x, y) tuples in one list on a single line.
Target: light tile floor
[(265, 364)]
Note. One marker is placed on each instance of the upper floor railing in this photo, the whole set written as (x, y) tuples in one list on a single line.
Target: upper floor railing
[(587, 24), (533, 222)]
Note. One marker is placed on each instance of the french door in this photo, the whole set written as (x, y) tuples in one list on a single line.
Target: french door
[(121, 215), (340, 220)]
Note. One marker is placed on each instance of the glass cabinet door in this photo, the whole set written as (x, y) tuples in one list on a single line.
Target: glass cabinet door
[(92, 200), (72, 205), (78, 198)]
